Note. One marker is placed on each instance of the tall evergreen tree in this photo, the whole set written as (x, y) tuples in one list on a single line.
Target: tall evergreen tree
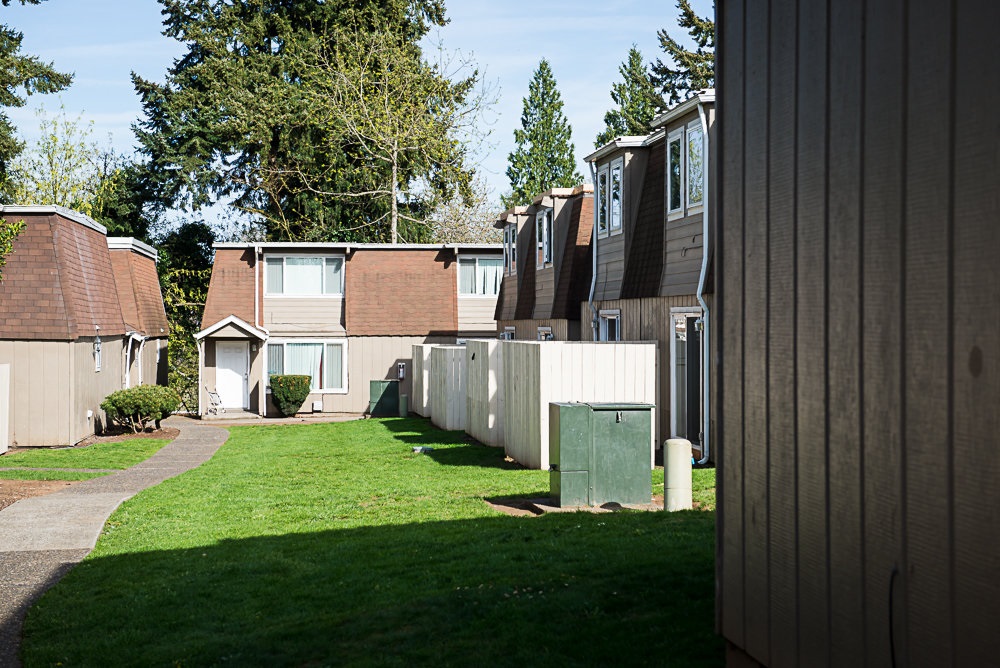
[(686, 71), (544, 156), (20, 72), (637, 100), (231, 120)]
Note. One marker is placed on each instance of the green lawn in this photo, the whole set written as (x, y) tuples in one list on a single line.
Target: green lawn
[(109, 455), (334, 544)]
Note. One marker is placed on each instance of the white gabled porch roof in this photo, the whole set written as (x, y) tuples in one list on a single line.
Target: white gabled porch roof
[(238, 323)]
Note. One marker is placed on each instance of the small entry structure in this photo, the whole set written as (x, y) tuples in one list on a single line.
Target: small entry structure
[(599, 453)]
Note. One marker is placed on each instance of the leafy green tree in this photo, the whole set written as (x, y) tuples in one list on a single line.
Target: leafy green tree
[(232, 122), (686, 71), (543, 158), (637, 100), (185, 267)]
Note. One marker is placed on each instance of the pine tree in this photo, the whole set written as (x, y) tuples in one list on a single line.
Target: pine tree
[(544, 156), (637, 100), (686, 71)]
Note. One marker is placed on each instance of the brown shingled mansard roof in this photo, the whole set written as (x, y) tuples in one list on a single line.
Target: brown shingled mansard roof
[(134, 265)]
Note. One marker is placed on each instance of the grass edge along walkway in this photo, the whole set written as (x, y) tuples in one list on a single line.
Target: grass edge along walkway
[(336, 544)]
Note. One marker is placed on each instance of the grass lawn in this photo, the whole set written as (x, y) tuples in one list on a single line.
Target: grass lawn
[(334, 544), (108, 455)]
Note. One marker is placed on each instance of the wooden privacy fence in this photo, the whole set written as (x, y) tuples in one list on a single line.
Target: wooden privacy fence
[(484, 391), (537, 373), (420, 401), (447, 387)]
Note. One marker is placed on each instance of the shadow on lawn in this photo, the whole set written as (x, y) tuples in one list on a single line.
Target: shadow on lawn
[(622, 589), (419, 431)]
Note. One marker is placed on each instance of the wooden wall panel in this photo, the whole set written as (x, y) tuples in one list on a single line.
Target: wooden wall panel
[(846, 558), (448, 387), (976, 336), (484, 391), (881, 269), (926, 277), (420, 402), (782, 481), (811, 316), (729, 477)]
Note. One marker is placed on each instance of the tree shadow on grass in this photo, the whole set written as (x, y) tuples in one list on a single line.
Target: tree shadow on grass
[(451, 448), (621, 589)]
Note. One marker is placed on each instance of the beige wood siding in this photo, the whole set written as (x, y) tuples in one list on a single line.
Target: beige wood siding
[(476, 315), (859, 301), (53, 385), (304, 315), (535, 374), (484, 391), (545, 291), (4, 407), (610, 267), (448, 383), (682, 253)]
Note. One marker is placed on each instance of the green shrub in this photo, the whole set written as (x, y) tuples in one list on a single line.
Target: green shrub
[(290, 392), (141, 407)]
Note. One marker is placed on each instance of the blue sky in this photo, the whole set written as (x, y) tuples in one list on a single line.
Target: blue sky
[(585, 41)]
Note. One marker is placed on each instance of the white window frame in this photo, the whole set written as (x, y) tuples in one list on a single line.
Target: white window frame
[(676, 136), (606, 315), (284, 341), (545, 334), (543, 234), (679, 313), (322, 294), (510, 249), (507, 334), (475, 295), (619, 165), (603, 173), (693, 125)]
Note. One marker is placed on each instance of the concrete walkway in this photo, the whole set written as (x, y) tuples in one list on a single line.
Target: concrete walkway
[(43, 537)]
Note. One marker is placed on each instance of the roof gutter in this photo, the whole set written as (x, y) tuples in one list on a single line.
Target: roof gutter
[(705, 334)]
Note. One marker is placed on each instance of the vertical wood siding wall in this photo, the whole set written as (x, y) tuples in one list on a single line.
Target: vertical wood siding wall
[(420, 402), (858, 301), (448, 381), (484, 391), (537, 373), (4, 408)]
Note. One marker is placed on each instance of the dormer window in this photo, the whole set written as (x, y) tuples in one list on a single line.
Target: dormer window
[(695, 165), (543, 234), (510, 248), (685, 168), (609, 197)]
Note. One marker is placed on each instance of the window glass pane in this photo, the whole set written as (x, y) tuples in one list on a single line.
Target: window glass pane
[(467, 276), (334, 276), (674, 171), (695, 168), (303, 276), (616, 197), (602, 201), (275, 359), (489, 275), (513, 249), (333, 367), (273, 270), (304, 358), (613, 333), (540, 238)]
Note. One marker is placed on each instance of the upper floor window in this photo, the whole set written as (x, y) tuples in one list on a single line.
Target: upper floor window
[(543, 229), (686, 167), (609, 197), (479, 276), (304, 276), (510, 248)]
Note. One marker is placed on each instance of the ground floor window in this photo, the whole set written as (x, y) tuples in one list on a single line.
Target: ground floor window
[(610, 329), (507, 334), (545, 334), (323, 360), (686, 379)]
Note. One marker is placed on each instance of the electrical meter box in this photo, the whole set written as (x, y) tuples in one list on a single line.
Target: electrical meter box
[(599, 453)]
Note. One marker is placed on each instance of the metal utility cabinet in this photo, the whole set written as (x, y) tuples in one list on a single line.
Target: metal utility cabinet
[(383, 398), (599, 453)]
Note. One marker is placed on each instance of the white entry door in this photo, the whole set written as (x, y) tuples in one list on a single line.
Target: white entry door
[(231, 373)]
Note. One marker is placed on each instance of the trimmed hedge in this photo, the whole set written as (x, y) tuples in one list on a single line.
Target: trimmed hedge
[(141, 407), (289, 392)]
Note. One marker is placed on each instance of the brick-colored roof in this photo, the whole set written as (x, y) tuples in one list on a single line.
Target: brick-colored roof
[(401, 293), (139, 292), (230, 290), (58, 283)]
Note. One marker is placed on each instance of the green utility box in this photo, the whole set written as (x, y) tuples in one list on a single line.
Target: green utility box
[(383, 398), (599, 453)]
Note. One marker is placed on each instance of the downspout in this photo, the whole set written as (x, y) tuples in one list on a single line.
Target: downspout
[(256, 285), (128, 359), (142, 344), (201, 344), (705, 334), (593, 257)]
